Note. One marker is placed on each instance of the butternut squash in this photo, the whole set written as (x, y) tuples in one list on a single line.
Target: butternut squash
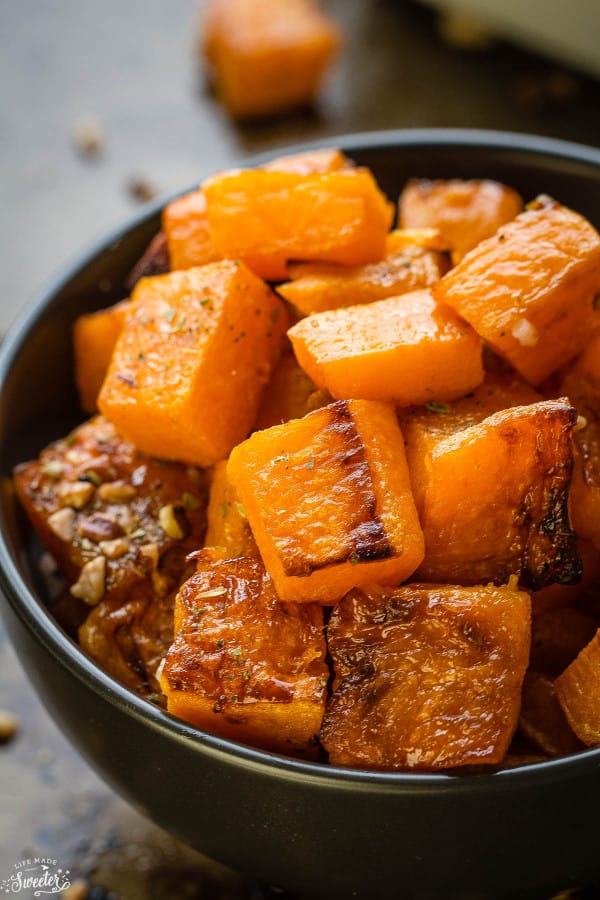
[(193, 344), (464, 212), (529, 290), (329, 501), (108, 514), (243, 665), (267, 58), (338, 217), (406, 349), (426, 677), (578, 692)]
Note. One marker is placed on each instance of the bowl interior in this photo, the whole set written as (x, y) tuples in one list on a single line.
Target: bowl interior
[(38, 401)]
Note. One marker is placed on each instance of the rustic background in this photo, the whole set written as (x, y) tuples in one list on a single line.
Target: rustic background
[(126, 71)]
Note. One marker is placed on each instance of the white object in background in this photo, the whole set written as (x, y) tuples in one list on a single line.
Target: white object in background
[(568, 31)]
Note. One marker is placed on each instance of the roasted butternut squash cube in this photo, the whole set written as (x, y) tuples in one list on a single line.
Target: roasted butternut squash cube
[(185, 225), (578, 692), (492, 499), (129, 637), (94, 337), (464, 212), (267, 58), (244, 665), (529, 289), (227, 527), (193, 344), (316, 287), (329, 501), (542, 720), (558, 595), (404, 349), (185, 220), (424, 426), (286, 396), (337, 217), (107, 513), (426, 677)]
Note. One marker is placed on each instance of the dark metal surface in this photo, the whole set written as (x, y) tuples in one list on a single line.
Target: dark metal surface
[(131, 65)]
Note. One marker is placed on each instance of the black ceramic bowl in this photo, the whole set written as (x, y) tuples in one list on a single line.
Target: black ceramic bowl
[(316, 830)]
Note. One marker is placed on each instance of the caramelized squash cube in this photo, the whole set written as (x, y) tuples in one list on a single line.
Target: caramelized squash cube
[(337, 217), (108, 514), (426, 677), (529, 289), (464, 212), (492, 498), (194, 343), (267, 58), (310, 162), (320, 286), (94, 337), (578, 692), (404, 349), (329, 501), (244, 665)]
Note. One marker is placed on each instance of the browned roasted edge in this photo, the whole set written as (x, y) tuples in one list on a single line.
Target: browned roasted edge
[(367, 537)]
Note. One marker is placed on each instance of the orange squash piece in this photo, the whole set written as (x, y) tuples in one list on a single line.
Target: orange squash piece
[(426, 677), (511, 516), (227, 527), (267, 58), (424, 426), (94, 338), (578, 692), (286, 396), (316, 287), (337, 217), (405, 349), (329, 501), (558, 595), (244, 665), (557, 636), (464, 212), (185, 222), (108, 514), (194, 343), (529, 289)]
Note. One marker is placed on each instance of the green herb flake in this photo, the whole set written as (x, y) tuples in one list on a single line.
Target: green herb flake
[(275, 314), (93, 477), (353, 560), (138, 533), (220, 644), (169, 314), (53, 469), (71, 440), (189, 501), (237, 651), (102, 439), (142, 357), (205, 302), (441, 408), (310, 465), (284, 457), (86, 544), (241, 510), (224, 509)]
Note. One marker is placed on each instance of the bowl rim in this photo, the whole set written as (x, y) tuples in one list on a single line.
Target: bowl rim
[(34, 615)]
